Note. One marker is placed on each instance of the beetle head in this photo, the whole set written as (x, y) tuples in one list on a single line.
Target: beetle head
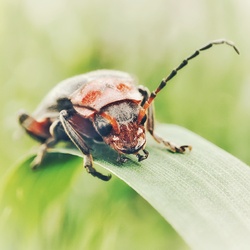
[(118, 125)]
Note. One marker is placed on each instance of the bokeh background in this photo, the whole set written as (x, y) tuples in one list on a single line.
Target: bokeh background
[(44, 42)]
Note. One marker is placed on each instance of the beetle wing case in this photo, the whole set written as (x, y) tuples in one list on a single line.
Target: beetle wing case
[(104, 91), (72, 87)]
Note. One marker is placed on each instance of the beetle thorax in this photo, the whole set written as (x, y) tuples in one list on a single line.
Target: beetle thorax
[(124, 135), (123, 112)]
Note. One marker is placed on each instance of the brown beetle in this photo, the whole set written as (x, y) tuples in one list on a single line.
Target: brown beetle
[(103, 105)]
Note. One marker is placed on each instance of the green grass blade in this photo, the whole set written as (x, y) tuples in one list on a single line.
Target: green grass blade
[(204, 195), (27, 195)]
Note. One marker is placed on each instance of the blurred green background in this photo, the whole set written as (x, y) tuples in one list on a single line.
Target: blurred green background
[(44, 42)]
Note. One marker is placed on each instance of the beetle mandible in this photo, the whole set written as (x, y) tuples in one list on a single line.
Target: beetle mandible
[(103, 105)]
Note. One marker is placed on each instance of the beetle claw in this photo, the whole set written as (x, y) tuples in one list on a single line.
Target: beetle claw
[(121, 158), (39, 157), (97, 174), (143, 157), (34, 164), (186, 147), (183, 149)]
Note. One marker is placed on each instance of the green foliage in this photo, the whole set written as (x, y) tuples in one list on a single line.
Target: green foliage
[(207, 189)]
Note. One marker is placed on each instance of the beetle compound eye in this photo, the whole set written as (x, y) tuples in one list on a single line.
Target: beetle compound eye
[(103, 126)]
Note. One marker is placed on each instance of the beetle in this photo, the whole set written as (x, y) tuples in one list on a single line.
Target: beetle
[(102, 106)]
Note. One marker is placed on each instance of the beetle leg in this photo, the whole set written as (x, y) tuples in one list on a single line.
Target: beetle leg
[(42, 152), (39, 130), (56, 134), (169, 145), (121, 158), (81, 145), (88, 162), (142, 157)]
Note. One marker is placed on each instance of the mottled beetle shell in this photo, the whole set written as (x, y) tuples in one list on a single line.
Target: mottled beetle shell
[(82, 90)]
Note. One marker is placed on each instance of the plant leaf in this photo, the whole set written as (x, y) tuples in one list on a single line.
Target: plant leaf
[(204, 195)]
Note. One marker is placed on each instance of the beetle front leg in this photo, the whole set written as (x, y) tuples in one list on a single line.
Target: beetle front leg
[(169, 145), (121, 158), (142, 157), (81, 145), (88, 165)]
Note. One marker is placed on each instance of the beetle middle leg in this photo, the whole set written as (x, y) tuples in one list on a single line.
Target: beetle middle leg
[(56, 134), (169, 145), (41, 153), (81, 145), (150, 127)]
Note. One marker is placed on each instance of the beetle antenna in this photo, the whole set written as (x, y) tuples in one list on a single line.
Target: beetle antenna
[(183, 64)]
